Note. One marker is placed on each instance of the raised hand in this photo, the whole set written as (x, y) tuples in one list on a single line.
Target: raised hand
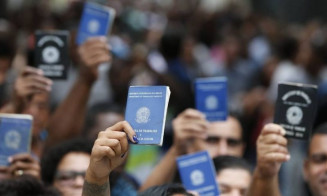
[(190, 124), (271, 150)]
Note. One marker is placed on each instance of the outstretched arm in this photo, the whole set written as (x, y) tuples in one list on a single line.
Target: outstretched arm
[(188, 125), (92, 53), (109, 151), (271, 153)]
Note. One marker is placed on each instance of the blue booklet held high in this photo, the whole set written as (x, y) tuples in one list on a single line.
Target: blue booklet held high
[(96, 21), (198, 174), (15, 135), (211, 97), (146, 112)]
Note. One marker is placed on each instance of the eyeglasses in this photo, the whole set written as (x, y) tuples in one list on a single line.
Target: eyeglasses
[(68, 177), (230, 141), (318, 158)]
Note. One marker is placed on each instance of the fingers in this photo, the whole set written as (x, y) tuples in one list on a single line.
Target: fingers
[(113, 141), (99, 152), (273, 128), (277, 157), (32, 81), (126, 127), (190, 124), (274, 139), (26, 167), (21, 157), (95, 51), (115, 148), (192, 114), (31, 70), (272, 145)]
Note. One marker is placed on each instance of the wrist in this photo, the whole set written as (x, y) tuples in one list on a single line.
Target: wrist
[(177, 149), (87, 75), (264, 176), (90, 177)]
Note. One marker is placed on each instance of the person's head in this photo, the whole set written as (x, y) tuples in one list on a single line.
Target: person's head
[(315, 165), (65, 164), (25, 185), (101, 116), (224, 138), (232, 46), (233, 175), (38, 107), (166, 190)]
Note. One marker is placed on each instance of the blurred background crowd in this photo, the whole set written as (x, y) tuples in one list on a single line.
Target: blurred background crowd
[(255, 44)]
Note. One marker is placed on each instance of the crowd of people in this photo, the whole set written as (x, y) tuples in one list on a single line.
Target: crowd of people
[(81, 144)]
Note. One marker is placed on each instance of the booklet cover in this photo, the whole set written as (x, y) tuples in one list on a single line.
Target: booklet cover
[(295, 109), (146, 112), (15, 135), (96, 20), (51, 53), (211, 97), (198, 173)]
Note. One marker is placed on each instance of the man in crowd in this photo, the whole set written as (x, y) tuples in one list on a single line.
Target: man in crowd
[(193, 133), (272, 152), (233, 175)]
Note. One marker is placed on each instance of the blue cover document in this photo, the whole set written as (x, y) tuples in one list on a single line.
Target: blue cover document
[(96, 21), (198, 174), (146, 112), (211, 97), (15, 135)]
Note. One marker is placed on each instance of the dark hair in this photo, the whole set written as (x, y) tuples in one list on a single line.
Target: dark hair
[(287, 48), (321, 129), (237, 117), (26, 185), (52, 157), (230, 162), (97, 109), (165, 190), (171, 43)]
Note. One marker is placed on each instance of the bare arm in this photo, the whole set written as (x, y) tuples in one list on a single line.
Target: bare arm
[(271, 153), (62, 126), (163, 172), (188, 125), (108, 153)]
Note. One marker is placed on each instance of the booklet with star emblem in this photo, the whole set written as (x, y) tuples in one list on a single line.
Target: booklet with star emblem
[(295, 109), (146, 112), (15, 135), (211, 97), (198, 173), (96, 20)]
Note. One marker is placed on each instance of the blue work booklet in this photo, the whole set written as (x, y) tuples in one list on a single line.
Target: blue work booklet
[(15, 135), (198, 173), (211, 97), (146, 112), (96, 21)]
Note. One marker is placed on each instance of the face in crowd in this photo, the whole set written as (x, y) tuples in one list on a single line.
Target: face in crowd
[(38, 107), (315, 166), (69, 178), (224, 138), (233, 181)]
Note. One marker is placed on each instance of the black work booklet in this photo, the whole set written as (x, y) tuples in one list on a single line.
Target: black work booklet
[(295, 109)]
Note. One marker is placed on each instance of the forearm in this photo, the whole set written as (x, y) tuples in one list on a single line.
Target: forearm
[(267, 186), (164, 172), (68, 119), (95, 187)]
